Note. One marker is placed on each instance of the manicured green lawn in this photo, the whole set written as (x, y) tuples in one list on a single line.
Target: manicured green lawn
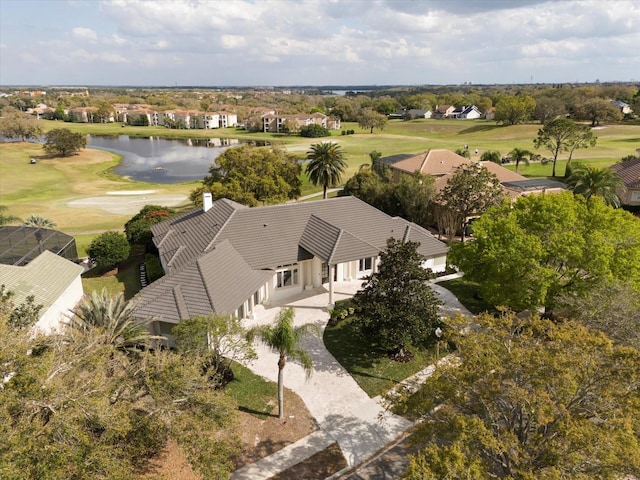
[(367, 363), (125, 279), (468, 293), (253, 393)]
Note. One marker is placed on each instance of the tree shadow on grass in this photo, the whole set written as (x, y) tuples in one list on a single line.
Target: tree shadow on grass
[(479, 128)]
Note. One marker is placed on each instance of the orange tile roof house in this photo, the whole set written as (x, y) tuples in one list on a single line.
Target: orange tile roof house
[(629, 172), (228, 258), (442, 164)]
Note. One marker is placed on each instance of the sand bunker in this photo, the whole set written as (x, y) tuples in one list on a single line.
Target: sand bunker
[(132, 192), (122, 203)]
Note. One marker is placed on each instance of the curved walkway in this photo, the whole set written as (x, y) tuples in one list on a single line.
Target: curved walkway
[(361, 425)]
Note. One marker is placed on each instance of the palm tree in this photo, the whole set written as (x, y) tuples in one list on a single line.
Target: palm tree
[(326, 164), (491, 156), (111, 317), (6, 219), (592, 181), (520, 155), (34, 220), (283, 338)]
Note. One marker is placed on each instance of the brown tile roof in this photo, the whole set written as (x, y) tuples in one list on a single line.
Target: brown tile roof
[(431, 162), (445, 162), (629, 172)]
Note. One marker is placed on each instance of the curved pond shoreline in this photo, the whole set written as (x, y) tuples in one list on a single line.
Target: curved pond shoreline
[(161, 160)]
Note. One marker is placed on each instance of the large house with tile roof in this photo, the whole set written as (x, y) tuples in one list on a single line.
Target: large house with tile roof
[(442, 165), (629, 172), (227, 258)]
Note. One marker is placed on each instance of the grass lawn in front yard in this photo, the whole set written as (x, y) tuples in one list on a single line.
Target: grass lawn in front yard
[(367, 362), (468, 293)]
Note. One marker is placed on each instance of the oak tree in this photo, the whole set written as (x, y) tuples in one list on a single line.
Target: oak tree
[(64, 142), (528, 399), (527, 254)]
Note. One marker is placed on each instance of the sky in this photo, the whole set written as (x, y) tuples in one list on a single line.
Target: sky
[(324, 42)]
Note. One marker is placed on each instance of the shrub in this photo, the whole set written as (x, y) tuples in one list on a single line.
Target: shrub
[(314, 131), (109, 249)]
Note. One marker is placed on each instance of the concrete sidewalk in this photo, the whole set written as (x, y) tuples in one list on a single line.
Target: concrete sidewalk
[(360, 425)]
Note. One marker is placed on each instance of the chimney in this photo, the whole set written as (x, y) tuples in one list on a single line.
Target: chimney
[(207, 201)]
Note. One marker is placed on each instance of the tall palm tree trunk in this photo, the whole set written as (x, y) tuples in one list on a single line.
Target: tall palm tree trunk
[(281, 363), (324, 191)]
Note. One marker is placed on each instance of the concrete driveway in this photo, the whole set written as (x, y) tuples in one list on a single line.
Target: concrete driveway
[(361, 425)]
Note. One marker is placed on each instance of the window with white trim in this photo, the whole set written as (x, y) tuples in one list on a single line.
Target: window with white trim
[(287, 276), (365, 264)]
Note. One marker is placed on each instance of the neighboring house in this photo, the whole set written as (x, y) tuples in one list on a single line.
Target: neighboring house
[(432, 162), (442, 164), (32, 262), (83, 114), (443, 111), (417, 113), (490, 114), (466, 112), (623, 106), (518, 188), (629, 172), (227, 258), (412, 113)]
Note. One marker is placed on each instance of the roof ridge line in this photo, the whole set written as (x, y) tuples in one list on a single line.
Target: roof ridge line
[(335, 244), (205, 283), (217, 234)]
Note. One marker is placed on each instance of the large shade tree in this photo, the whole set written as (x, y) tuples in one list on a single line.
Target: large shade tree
[(15, 124), (562, 135), (64, 142), (527, 253), (530, 399), (251, 176), (284, 338), (514, 109), (326, 165), (470, 192), (369, 119), (396, 306)]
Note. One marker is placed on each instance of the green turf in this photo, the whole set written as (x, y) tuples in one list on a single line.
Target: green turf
[(124, 279), (369, 364), (468, 293), (253, 393), (48, 187)]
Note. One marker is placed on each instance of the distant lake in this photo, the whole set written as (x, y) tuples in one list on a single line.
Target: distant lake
[(161, 160)]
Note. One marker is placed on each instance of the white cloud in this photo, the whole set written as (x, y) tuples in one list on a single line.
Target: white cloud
[(233, 41), (337, 41), (86, 34), (113, 58)]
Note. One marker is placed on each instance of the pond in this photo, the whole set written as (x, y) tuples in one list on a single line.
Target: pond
[(161, 160)]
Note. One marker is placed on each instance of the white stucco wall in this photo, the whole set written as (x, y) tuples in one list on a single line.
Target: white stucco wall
[(436, 264), (59, 311)]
